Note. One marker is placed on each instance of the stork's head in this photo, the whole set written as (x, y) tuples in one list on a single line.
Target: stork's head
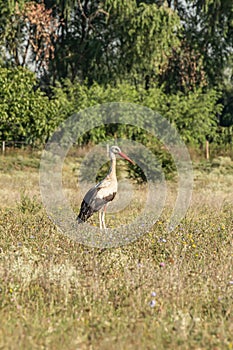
[(116, 150)]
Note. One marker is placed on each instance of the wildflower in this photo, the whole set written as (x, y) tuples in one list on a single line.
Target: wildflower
[(162, 264), (152, 303), (153, 294)]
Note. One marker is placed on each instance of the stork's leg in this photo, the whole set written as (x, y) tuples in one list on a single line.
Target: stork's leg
[(100, 220), (103, 216)]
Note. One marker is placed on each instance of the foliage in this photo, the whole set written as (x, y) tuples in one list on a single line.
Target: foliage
[(28, 32), (195, 115), (112, 41), (226, 118), (145, 35), (214, 21), (28, 204), (81, 45), (184, 70), (30, 116), (26, 114), (171, 56)]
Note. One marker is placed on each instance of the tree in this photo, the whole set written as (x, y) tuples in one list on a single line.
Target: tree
[(142, 37), (113, 41), (80, 42), (26, 114), (184, 70), (208, 29), (28, 34)]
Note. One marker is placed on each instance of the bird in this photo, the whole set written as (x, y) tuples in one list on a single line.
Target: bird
[(98, 197)]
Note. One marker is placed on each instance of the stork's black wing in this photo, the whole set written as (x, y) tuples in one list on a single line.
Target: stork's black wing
[(92, 203)]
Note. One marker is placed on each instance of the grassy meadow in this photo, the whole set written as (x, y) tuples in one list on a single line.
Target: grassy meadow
[(164, 291)]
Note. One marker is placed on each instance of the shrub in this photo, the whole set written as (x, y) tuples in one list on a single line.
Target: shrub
[(26, 114)]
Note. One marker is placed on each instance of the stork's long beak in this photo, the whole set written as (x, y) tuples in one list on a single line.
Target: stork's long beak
[(123, 155)]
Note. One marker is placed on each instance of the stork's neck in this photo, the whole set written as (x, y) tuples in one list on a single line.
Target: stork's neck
[(112, 171)]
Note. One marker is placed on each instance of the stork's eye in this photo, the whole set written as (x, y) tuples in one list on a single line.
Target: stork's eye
[(115, 149)]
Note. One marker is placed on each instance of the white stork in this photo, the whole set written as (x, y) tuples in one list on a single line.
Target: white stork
[(98, 197)]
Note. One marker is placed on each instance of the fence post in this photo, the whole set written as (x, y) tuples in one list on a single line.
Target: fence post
[(207, 150), (3, 146)]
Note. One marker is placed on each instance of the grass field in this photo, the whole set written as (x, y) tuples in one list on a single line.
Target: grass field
[(164, 291)]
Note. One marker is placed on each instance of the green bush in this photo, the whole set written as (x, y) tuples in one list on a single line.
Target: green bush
[(194, 115), (26, 114)]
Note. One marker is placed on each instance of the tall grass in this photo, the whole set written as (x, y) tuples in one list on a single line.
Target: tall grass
[(164, 291)]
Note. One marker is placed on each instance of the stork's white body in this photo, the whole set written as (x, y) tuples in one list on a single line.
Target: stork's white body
[(107, 189), (98, 197)]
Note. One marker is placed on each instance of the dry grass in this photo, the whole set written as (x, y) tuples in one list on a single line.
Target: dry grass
[(165, 291)]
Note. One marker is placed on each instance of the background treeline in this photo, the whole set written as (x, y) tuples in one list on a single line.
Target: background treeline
[(58, 57)]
